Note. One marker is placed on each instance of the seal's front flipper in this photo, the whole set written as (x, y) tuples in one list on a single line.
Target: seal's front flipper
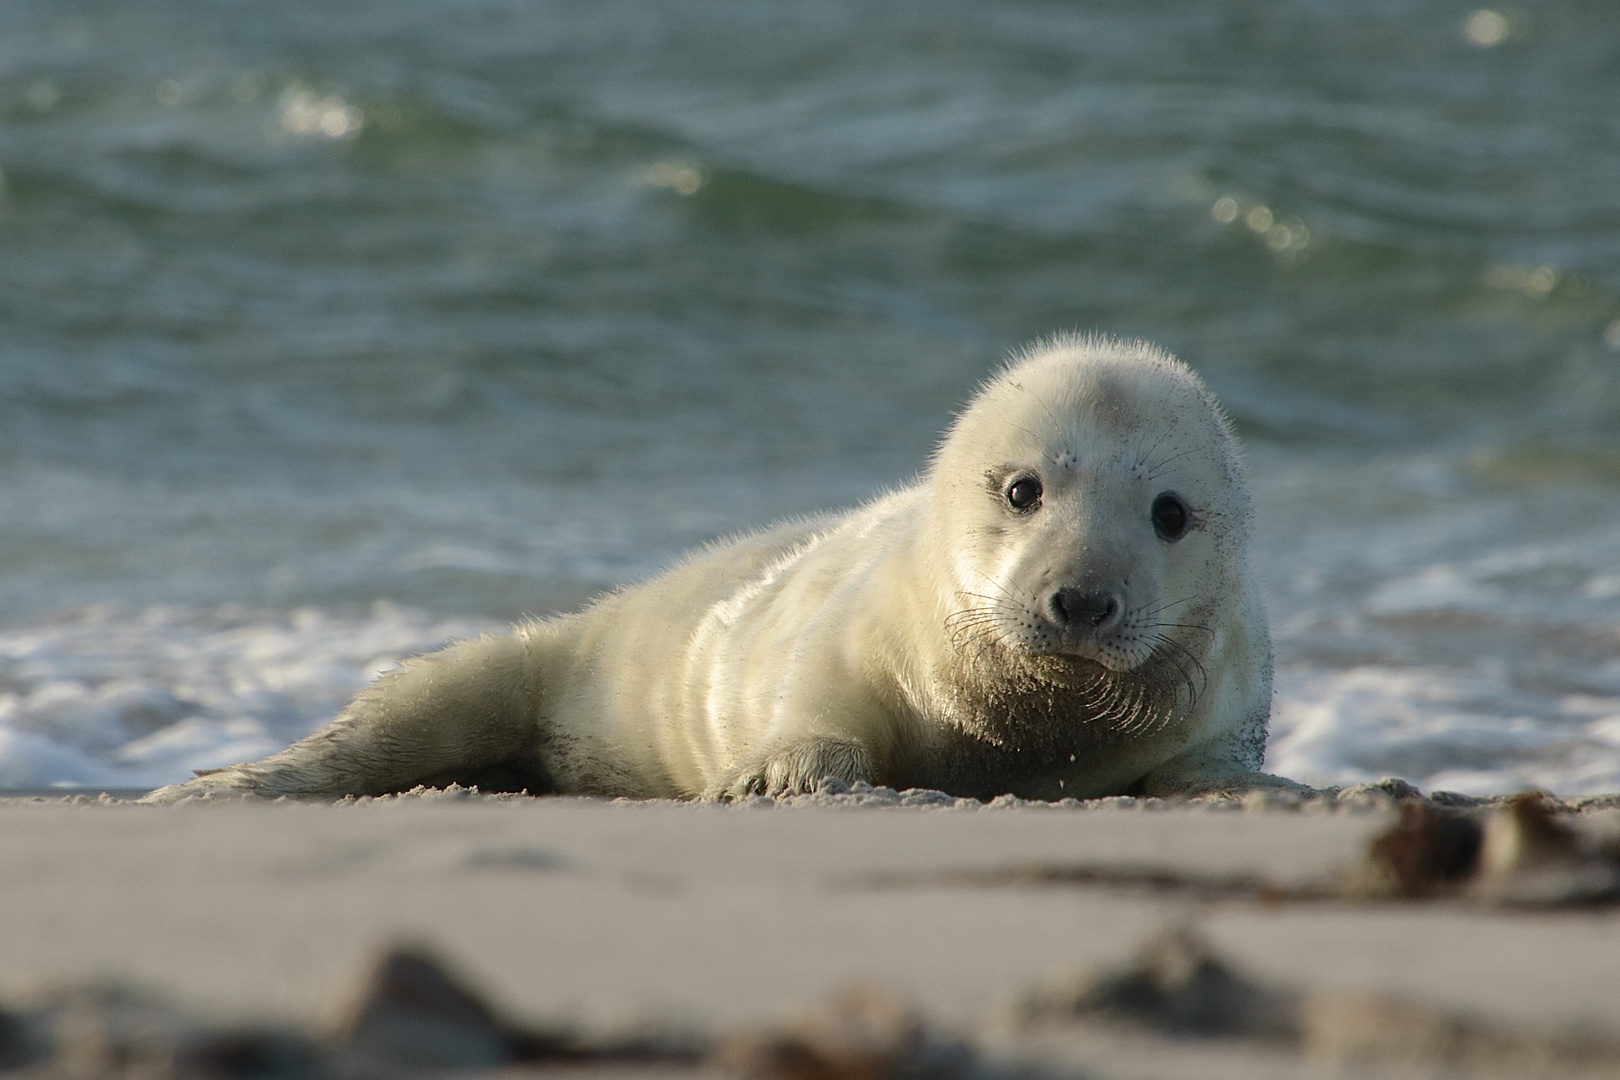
[(795, 769), (1167, 780), (459, 712)]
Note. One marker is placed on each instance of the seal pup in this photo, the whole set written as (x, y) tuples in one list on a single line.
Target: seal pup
[(1061, 606)]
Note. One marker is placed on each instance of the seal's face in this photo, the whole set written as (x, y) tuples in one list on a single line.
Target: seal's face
[(1099, 513)]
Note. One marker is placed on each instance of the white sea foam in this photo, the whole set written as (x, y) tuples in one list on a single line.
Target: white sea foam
[(109, 698), (1442, 731), (1469, 646)]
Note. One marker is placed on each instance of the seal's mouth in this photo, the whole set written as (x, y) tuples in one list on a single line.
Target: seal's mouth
[(1067, 669), (1116, 654), (1086, 640)]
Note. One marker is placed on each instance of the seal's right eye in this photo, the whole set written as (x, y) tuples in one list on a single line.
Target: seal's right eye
[(1171, 518), (1024, 493)]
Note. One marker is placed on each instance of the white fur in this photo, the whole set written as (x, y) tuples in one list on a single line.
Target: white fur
[(909, 642)]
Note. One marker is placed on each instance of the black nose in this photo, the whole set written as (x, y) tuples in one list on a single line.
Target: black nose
[(1085, 610)]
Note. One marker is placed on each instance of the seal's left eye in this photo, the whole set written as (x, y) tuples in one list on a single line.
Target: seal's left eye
[(1170, 517), (1024, 493)]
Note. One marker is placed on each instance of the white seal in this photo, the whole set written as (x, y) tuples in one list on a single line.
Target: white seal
[(1062, 606)]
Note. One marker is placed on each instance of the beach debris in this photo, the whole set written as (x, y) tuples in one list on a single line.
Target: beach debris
[(1530, 858), (1426, 850), (1524, 851), (413, 1013), (1178, 987), (15, 1048), (114, 1032), (1373, 1030), (1518, 854), (863, 1033), (1175, 984)]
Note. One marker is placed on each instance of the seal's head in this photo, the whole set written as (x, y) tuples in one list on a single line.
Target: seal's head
[(1096, 513)]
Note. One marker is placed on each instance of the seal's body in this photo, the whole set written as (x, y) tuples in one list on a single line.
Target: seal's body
[(1062, 606)]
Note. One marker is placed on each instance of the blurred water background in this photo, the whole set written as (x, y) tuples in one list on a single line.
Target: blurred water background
[(329, 330)]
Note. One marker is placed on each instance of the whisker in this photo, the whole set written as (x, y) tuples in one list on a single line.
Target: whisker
[(1196, 692), (1046, 447), (1063, 432), (974, 613), (1186, 678), (1185, 626), (1007, 599), (1156, 471), (1166, 606), (1142, 458), (1006, 592)]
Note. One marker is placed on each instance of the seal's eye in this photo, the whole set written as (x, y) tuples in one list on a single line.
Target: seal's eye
[(1024, 493), (1170, 517)]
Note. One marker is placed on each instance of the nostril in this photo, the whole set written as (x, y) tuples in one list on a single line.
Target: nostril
[(1074, 607)]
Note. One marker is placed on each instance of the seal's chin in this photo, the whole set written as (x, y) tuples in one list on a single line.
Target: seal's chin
[(1066, 668), (1137, 697), (1090, 655)]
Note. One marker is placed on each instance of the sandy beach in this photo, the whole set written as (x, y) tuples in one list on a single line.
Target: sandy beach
[(710, 919)]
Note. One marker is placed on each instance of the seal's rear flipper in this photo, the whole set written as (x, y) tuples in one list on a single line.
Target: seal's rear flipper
[(456, 714)]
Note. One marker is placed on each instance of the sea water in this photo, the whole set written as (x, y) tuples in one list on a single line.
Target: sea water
[(331, 330)]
